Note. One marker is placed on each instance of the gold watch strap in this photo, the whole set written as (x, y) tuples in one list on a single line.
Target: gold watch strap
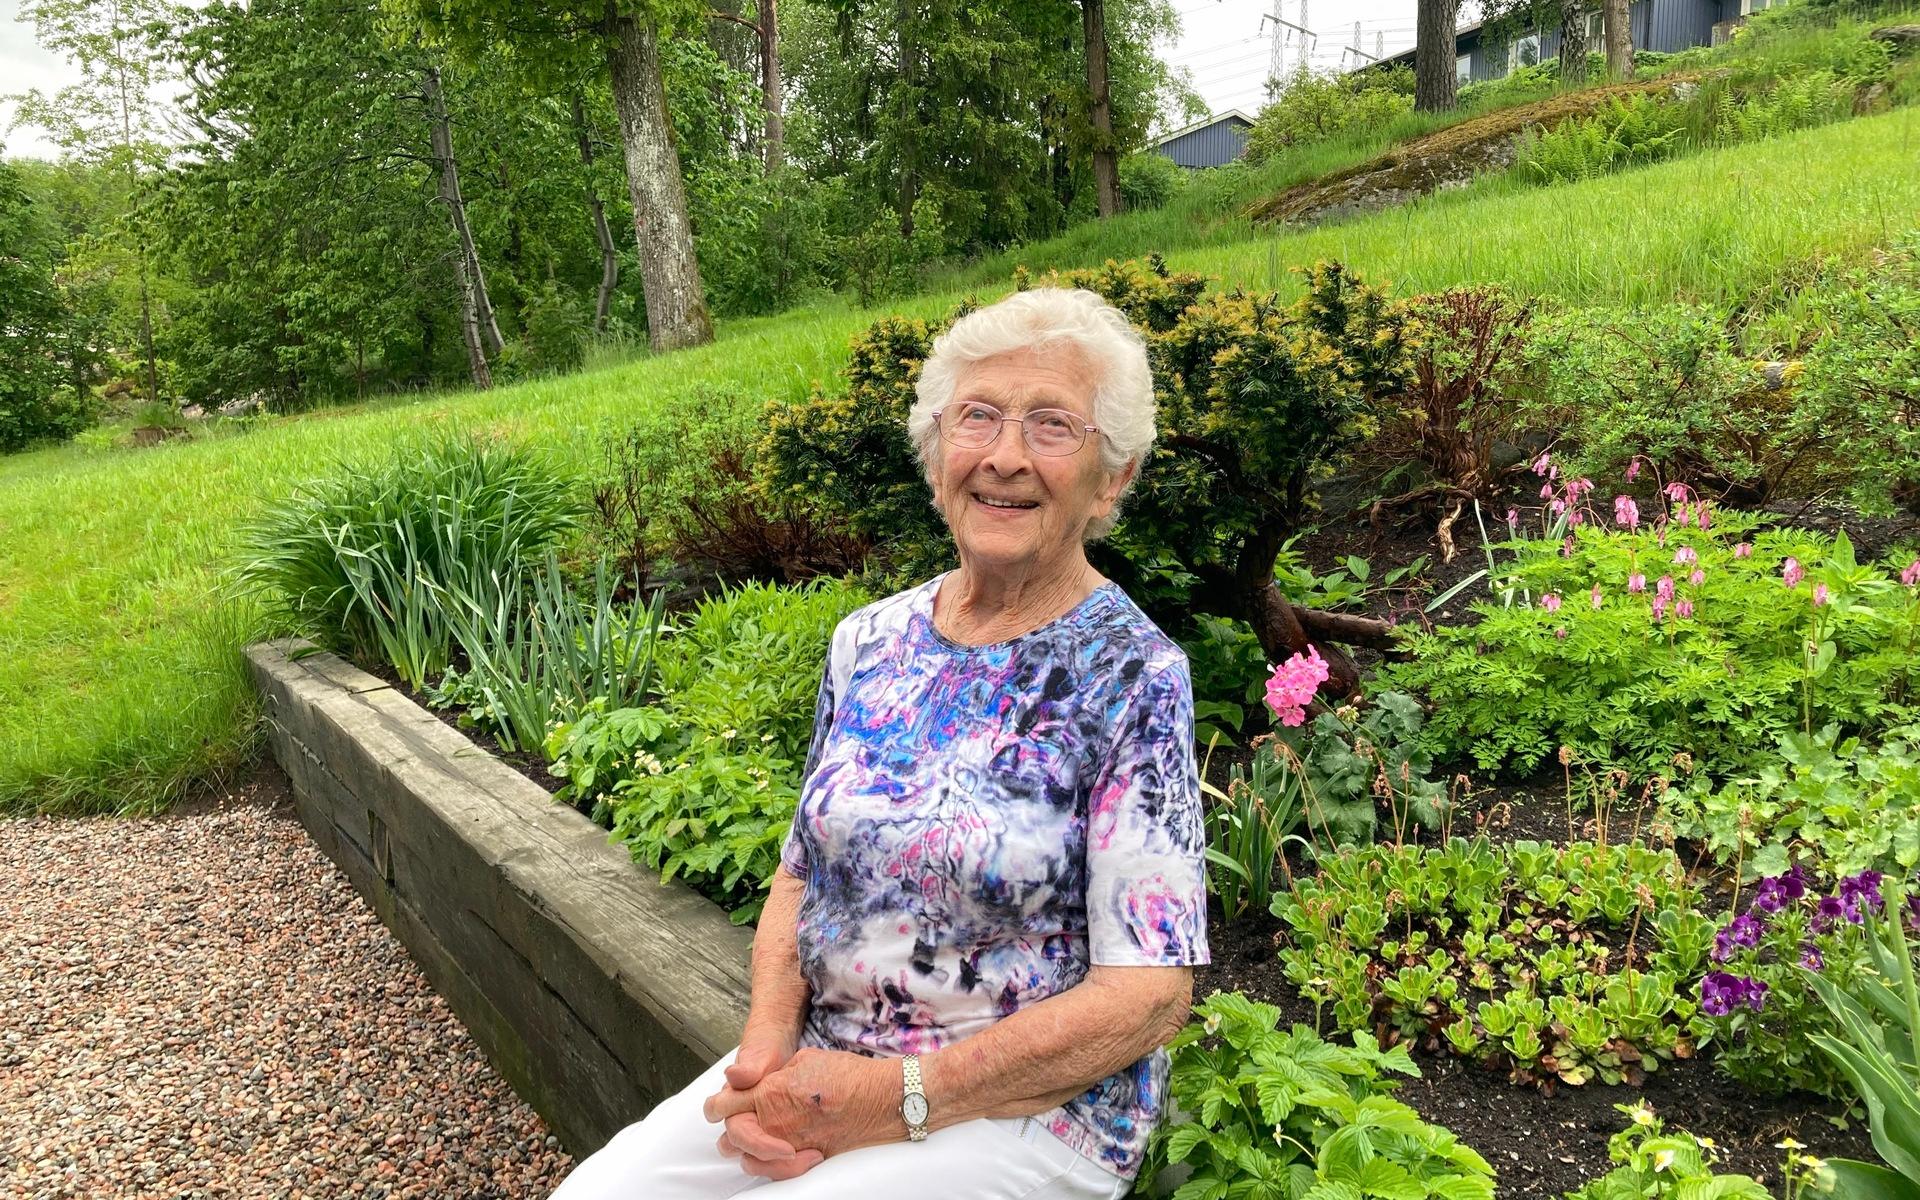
[(910, 1080)]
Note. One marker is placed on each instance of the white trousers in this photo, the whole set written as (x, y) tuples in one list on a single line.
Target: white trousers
[(673, 1155)]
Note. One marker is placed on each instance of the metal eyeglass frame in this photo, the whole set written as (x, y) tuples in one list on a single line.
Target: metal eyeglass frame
[(1002, 428)]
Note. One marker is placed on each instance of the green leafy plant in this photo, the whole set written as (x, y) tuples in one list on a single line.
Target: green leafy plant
[(1878, 1015), (359, 560), (1360, 759), (1651, 1161), (1273, 1115), (1832, 803), (1613, 649), (536, 653), (702, 782), (1518, 943), (1249, 828)]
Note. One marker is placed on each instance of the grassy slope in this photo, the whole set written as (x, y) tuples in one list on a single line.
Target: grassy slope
[(118, 664)]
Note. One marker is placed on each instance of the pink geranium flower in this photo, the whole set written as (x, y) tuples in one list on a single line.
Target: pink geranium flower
[(1293, 684)]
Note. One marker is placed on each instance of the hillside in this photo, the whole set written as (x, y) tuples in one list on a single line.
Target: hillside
[(119, 677)]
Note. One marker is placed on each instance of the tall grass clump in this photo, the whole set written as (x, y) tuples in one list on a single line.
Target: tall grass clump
[(364, 563)]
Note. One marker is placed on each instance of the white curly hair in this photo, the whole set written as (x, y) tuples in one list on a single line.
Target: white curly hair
[(1044, 319)]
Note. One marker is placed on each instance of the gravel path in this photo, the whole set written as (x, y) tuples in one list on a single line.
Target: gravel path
[(200, 1005)]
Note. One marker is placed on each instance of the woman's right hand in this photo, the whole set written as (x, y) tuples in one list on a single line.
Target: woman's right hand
[(762, 1154)]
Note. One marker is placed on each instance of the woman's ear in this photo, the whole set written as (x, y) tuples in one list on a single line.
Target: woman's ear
[(1116, 484)]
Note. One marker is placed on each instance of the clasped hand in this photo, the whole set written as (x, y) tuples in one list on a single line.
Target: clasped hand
[(785, 1114)]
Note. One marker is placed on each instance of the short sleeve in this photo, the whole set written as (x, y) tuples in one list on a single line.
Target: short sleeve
[(1146, 839), (793, 853)]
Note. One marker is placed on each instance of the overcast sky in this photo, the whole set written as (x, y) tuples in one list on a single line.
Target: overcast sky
[(1225, 45)]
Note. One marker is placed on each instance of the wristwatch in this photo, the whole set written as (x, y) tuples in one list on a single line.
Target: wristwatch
[(913, 1105)]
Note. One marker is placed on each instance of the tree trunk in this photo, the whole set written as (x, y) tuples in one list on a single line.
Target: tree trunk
[(1619, 34), (474, 311), (602, 235), (909, 101), (1573, 43), (669, 272), (776, 136), (475, 280), (1106, 162), (1283, 634), (1434, 85)]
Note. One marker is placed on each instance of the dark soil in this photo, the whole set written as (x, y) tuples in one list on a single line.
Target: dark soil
[(533, 766)]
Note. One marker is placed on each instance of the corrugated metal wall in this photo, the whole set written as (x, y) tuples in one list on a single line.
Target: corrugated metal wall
[(1663, 25), (1210, 146)]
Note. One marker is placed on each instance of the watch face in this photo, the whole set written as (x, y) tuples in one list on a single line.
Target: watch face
[(914, 1109)]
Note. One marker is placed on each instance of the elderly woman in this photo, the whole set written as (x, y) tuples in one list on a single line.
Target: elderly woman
[(987, 912)]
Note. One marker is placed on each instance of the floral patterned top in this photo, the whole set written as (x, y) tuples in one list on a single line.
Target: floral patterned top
[(979, 824)]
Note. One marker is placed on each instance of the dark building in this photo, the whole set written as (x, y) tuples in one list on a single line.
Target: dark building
[(1662, 25), (1210, 143)]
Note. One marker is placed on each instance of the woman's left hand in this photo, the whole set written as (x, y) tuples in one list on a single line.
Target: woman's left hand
[(826, 1100)]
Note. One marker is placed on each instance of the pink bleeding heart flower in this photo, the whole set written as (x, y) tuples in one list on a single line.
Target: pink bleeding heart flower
[(1543, 464), (1577, 488), (1596, 595), (1546, 491), (1702, 517), (1633, 469), (1664, 589), (1566, 547), (1697, 578), (1636, 583), (1685, 554), (1626, 512), (1560, 632), (1683, 609), (1659, 609), (1513, 520), (1791, 572), (1911, 576), (1558, 506), (1677, 492), (1550, 602), (1743, 550), (1576, 518), (1293, 685), (1819, 595)]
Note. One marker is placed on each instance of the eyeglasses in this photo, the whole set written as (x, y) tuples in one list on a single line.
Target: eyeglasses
[(1049, 431)]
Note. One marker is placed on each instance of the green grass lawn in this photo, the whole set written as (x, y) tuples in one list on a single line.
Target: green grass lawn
[(119, 636)]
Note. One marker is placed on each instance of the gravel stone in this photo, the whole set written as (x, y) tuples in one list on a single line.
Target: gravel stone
[(199, 1005)]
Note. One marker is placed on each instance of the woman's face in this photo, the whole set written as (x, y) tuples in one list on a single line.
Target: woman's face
[(1052, 497)]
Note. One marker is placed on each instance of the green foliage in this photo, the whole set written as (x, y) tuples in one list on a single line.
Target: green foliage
[(1649, 1161), (1830, 803), (1406, 936), (1878, 1048), (1626, 685), (36, 403), (1228, 669), (702, 782), (1787, 928), (537, 653), (555, 328), (1249, 828), (1148, 180), (1359, 760), (1635, 129), (363, 560), (1861, 379), (1315, 108), (1281, 1115)]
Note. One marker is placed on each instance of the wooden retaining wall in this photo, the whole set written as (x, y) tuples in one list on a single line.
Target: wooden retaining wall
[(594, 989)]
